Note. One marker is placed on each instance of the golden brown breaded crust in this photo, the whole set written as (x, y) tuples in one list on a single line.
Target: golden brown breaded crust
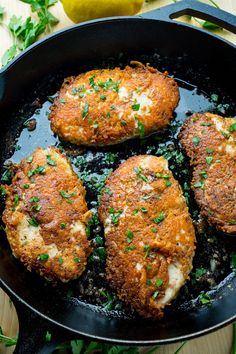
[(46, 216), (149, 234), (210, 142), (105, 107)]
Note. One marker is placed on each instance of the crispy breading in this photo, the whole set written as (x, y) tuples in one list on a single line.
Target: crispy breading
[(210, 142), (105, 107), (46, 216), (149, 234)]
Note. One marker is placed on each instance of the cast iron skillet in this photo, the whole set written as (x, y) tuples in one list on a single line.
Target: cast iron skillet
[(197, 59)]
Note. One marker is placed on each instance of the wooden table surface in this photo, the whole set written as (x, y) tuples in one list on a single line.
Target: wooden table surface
[(219, 342)]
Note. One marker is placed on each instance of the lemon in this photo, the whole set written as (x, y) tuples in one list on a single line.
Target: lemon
[(84, 10)]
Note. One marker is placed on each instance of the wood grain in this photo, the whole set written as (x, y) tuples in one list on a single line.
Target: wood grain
[(219, 342)]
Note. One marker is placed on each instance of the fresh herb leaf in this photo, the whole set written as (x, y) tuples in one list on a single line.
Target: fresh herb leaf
[(232, 128), (85, 110), (48, 337), (135, 107), (33, 222), (3, 191), (146, 249), (158, 282), (196, 140), (40, 170), (62, 225), (160, 218), (204, 299), (209, 160), (43, 257), (140, 175), (115, 215), (29, 159), (50, 161), (130, 236), (233, 260), (7, 341), (66, 195)]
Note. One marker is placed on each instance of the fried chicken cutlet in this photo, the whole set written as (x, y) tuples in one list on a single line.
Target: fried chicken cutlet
[(210, 142), (109, 106), (46, 216), (149, 234)]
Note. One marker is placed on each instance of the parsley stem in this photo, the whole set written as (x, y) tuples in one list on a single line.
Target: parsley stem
[(179, 349)]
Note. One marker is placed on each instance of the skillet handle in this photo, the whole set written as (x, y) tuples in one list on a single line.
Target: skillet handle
[(197, 9), (33, 329)]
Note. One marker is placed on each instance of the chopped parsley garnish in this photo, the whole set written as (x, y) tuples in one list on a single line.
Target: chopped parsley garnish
[(78, 89), (209, 160), (141, 129), (26, 186), (130, 248), (62, 225), (50, 161), (140, 175), (85, 110), (148, 282), (206, 124), (16, 202), (95, 125), (135, 107), (60, 260), (103, 98), (160, 218), (198, 274), (149, 267), (196, 140), (109, 85), (233, 260), (135, 212), (115, 215), (62, 101), (43, 257), (33, 222), (146, 249), (225, 135), (36, 207), (77, 260), (166, 178), (209, 151), (3, 191), (199, 184), (66, 195), (40, 170), (203, 174), (48, 337), (232, 128), (34, 199), (29, 159), (158, 282), (130, 236), (143, 210), (231, 222), (154, 229), (108, 191), (7, 176), (204, 299), (214, 97)]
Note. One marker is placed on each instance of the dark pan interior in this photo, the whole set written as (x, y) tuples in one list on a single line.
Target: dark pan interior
[(203, 67)]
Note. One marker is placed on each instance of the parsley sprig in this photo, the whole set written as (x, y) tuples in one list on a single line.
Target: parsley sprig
[(26, 32)]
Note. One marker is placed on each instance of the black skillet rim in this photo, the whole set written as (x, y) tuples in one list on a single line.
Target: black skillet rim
[(9, 290)]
